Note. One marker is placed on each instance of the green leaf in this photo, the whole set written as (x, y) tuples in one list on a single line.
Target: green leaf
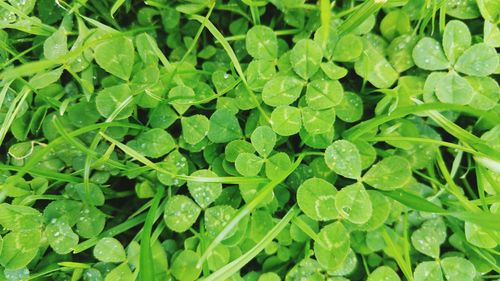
[(115, 101), (306, 57), (259, 72), (44, 79), (348, 48), (216, 219), (285, 120), (56, 45), (90, 222), (234, 148), (381, 209), (391, 173), (263, 140), (486, 89), (194, 128), (120, 273), (261, 43), (374, 67), (61, 237), (277, 165), (452, 88), (316, 198), (204, 193), (333, 71), (333, 246), (395, 23), (182, 96), (282, 90), (153, 143), (344, 159), (458, 269), (323, 94), (428, 271), (354, 204), (383, 273), (19, 248), (478, 60), (116, 56), (428, 55), (318, 121), (180, 213), (429, 237), (248, 164), (456, 39), (479, 236), (350, 108), (491, 34), (109, 250), (224, 127)]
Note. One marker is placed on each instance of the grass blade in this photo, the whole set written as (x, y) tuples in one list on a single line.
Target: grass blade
[(146, 268), (228, 270)]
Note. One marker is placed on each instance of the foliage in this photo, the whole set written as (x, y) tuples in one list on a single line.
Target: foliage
[(249, 140)]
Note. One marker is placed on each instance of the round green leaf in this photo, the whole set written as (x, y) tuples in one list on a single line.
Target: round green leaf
[(153, 143), (182, 96), (428, 271), (263, 140), (452, 88), (61, 237), (318, 121), (234, 148), (194, 128), (306, 57), (90, 222), (456, 39), (262, 43), (282, 90), (458, 269), (429, 237), (381, 207), (344, 159), (333, 246), (180, 213), (204, 193), (216, 219), (374, 67), (285, 120), (109, 249), (395, 23), (115, 101), (350, 108), (323, 94), (116, 56), (184, 266), (277, 165), (348, 48), (259, 72), (354, 204), (177, 164), (224, 126), (478, 60), (19, 248), (248, 164), (478, 236), (391, 173), (120, 273), (383, 273), (316, 198), (428, 55), (486, 92)]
